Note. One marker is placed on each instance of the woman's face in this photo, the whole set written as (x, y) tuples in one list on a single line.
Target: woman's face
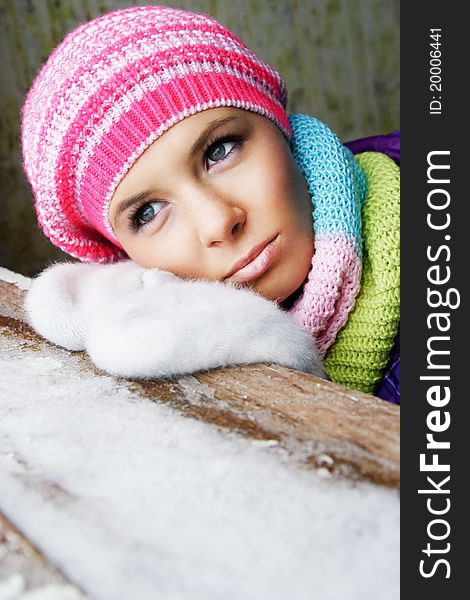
[(219, 197)]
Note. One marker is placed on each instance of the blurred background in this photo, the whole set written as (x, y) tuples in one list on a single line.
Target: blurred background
[(340, 59)]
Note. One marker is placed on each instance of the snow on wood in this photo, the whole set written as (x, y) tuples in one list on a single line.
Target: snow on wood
[(317, 422), (130, 498), (24, 569)]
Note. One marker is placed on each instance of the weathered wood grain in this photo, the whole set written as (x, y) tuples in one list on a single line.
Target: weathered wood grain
[(317, 423)]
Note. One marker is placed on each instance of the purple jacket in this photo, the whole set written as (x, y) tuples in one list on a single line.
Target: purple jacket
[(389, 386)]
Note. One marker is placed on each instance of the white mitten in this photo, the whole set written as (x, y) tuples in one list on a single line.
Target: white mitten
[(147, 323), (61, 301)]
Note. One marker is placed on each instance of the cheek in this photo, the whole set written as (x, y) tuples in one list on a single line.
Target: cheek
[(284, 187), (153, 253), (142, 253), (290, 200)]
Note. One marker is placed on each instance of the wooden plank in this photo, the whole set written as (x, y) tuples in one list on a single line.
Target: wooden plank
[(318, 424), (20, 561)]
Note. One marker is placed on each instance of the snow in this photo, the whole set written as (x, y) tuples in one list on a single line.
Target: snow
[(131, 500), (14, 588), (20, 281)]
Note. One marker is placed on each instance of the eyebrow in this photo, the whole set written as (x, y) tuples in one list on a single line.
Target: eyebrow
[(196, 147), (209, 130)]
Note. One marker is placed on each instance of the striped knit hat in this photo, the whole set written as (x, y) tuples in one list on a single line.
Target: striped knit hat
[(111, 88)]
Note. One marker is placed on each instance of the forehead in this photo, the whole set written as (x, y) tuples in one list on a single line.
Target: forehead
[(194, 124), (183, 139), (184, 134)]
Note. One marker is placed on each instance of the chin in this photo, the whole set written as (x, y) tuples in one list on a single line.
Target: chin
[(286, 294), (281, 294)]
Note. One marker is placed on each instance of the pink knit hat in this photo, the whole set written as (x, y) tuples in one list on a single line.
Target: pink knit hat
[(111, 88)]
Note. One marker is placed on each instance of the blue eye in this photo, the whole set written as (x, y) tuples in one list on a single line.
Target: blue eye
[(219, 151), (146, 213)]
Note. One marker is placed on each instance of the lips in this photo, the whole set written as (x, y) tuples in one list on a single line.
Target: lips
[(255, 263)]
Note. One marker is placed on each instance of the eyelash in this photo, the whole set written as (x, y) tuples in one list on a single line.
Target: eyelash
[(133, 218), (218, 141), (134, 222)]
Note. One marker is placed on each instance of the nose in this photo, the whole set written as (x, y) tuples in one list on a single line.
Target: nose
[(218, 220)]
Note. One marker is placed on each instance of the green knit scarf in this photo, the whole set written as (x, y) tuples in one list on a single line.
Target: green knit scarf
[(361, 350)]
